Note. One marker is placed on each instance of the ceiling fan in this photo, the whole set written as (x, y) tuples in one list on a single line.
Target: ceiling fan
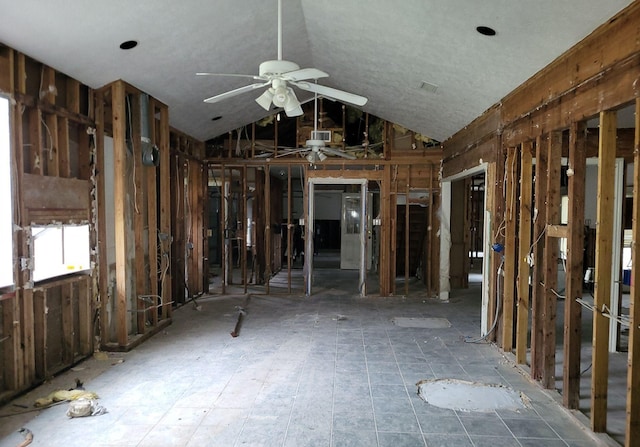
[(315, 149), (278, 75)]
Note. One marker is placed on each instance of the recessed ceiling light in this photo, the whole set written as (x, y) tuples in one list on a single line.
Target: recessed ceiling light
[(427, 86), (128, 44), (216, 118), (486, 31)]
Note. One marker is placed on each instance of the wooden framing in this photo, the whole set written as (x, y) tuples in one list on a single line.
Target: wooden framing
[(604, 254), (510, 263), (539, 226), (550, 261), (406, 231), (524, 239), (122, 215), (51, 324), (597, 76), (267, 227), (141, 301), (633, 364), (574, 276)]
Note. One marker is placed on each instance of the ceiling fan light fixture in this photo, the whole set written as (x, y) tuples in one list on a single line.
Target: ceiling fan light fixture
[(322, 156), (280, 97), (292, 105), (265, 99)]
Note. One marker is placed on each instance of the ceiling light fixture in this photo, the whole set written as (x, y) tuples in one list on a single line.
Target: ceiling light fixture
[(428, 87), (280, 96), (486, 30), (128, 44)]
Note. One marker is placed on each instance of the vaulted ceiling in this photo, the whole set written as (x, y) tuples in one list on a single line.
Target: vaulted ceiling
[(379, 49)]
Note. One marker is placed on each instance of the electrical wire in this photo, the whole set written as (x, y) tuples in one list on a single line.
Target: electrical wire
[(50, 148), (133, 153), (498, 309)]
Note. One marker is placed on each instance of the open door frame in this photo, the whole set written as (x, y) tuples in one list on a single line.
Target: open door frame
[(309, 230)]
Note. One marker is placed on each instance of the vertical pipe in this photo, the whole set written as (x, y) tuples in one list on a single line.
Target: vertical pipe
[(289, 238)]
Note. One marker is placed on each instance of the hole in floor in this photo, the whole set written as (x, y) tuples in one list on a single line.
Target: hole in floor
[(463, 395)]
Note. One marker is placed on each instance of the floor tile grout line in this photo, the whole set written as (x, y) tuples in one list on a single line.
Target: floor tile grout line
[(510, 431), (534, 408), (404, 383), (333, 398), (373, 408), (295, 397)]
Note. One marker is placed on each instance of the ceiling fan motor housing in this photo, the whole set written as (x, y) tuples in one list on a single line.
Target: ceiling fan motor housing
[(269, 69)]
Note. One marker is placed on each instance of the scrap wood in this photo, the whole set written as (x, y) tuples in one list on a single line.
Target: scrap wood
[(242, 311), (28, 437)]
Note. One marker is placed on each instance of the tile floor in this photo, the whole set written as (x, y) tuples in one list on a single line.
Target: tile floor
[(327, 370)]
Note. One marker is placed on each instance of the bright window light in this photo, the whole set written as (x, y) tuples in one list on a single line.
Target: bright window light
[(6, 237), (59, 250)]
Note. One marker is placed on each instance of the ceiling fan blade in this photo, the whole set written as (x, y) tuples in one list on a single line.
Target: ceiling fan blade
[(339, 153), (332, 92), (291, 152), (303, 74), (235, 75), (235, 92)]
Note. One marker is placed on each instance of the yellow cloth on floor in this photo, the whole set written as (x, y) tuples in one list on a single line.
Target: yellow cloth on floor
[(63, 395)]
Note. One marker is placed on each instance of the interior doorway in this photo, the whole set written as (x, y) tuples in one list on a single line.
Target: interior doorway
[(465, 236), (359, 218)]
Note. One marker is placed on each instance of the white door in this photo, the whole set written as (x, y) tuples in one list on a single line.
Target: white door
[(350, 231)]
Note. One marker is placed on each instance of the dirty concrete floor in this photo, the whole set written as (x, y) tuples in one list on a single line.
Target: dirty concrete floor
[(327, 370)]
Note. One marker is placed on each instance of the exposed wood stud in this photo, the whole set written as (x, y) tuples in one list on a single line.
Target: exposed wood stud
[(524, 239), (510, 261), (539, 225), (604, 257), (152, 213), (633, 365), (223, 227), (550, 261), (121, 213), (68, 295), (268, 233), (289, 227), (103, 269), (574, 276), (137, 180), (243, 244), (407, 230), (165, 208)]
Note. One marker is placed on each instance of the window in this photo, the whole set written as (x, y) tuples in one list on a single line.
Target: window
[(59, 250), (6, 216)]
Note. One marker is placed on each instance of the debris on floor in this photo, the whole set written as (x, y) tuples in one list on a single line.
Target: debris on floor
[(83, 407), (28, 437), (340, 317), (423, 323), (241, 314), (64, 395), (463, 395)]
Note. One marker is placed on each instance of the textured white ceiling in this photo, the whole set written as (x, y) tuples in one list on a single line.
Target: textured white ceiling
[(379, 49)]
